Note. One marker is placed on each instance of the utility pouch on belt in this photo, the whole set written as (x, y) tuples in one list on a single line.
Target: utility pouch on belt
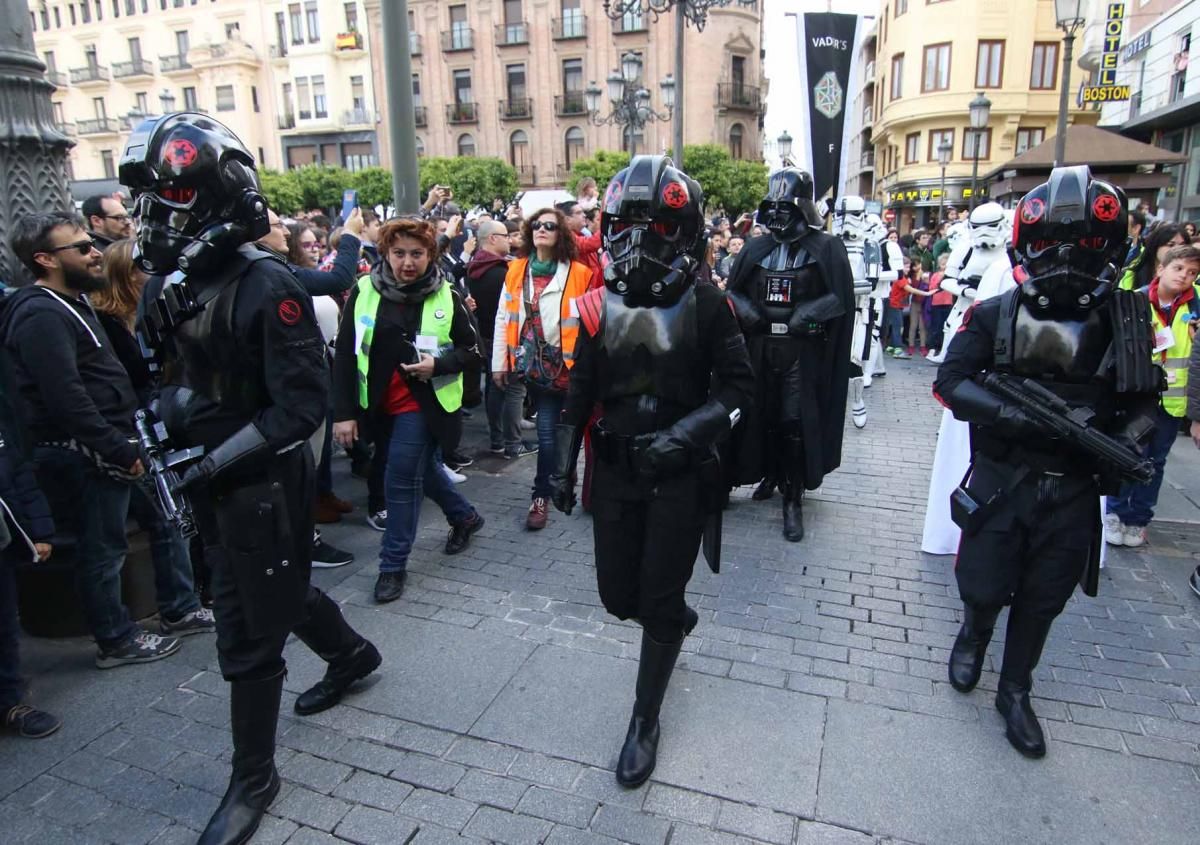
[(970, 511), (810, 316)]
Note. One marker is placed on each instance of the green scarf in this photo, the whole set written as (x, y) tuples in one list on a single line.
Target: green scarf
[(540, 268)]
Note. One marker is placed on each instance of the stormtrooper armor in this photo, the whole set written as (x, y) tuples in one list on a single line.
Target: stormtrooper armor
[(891, 263), (987, 237), (851, 225)]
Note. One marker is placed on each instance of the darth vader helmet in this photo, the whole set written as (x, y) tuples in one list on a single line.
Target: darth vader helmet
[(788, 210), (653, 227), (1069, 235), (196, 193)]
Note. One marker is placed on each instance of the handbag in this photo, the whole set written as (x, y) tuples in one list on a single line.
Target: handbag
[(539, 364)]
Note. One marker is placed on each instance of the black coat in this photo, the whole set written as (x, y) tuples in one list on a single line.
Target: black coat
[(830, 370)]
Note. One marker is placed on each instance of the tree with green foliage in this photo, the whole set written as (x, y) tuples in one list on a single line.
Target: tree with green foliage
[(281, 191), (374, 186), (474, 181), (602, 167), (321, 185), (748, 185)]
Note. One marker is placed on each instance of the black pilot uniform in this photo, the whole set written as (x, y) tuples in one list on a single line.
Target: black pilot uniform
[(666, 362), (1035, 532), (244, 376)]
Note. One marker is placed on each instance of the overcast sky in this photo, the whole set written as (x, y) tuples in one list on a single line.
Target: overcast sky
[(784, 111)]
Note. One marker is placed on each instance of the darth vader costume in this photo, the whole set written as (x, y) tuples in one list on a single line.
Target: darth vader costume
[(244, 378), (793, 292), (663, 359), (1027, 506)]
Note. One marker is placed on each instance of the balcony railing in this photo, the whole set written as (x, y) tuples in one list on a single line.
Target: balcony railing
[(519, 109), (526, 174), (570, 103), (348, 41), (137, 67), (98, 126), (510, 34), (462, 113), (738, 97), (421, 116), (629, 23), (357, 117), (286, 121), (414, 44), (57, 78), (173, 64), (572, 26), (278, 51), (868, 116), (91, 73), (67, 129), (459, 39), (867, 162)]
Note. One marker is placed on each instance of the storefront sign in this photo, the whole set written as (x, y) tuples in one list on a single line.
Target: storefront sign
[(918, 196), (1107, 90), (1136, 46)]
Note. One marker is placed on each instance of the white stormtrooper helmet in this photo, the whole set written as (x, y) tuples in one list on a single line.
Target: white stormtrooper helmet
[(850, 219), (957, 233), (1010, 214), (876, 231), (988, 227)]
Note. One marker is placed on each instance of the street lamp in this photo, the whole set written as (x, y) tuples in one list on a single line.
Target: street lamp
[(980, 109), (785, 148), (631, 107), (1069, 15), (695, 11), (944, 150)]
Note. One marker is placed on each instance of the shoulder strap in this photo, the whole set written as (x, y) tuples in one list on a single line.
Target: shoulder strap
[(1002, 351), (591, 308)]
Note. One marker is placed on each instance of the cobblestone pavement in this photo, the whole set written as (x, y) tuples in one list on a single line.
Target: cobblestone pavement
[(810, 705)]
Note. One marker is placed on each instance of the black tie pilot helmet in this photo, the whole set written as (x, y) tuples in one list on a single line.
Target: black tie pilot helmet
[(1070, 236), (653, 227), (196, 193), (788, 209)]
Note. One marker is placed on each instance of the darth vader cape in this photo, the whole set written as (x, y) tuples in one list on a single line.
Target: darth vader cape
[(825, 367)]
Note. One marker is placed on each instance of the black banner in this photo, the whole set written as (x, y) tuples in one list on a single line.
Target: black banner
[(828, 50)]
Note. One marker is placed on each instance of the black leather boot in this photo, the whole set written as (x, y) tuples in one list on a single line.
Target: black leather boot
[(793, 514), (764, 490), (640, 751), (342, 673), (254, 783), (1025, 637), (966, 658)]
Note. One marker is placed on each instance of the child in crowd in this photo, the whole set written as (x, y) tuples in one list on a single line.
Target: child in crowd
[(940, 303), (898, 302)]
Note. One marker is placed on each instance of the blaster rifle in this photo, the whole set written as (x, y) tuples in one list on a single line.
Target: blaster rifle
[(1073, 425), (160, 467)]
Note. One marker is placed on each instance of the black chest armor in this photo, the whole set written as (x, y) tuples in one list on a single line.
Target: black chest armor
[(651, 359), (785, 277)]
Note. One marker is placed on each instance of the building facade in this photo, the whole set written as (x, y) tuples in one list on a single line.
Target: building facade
[(506, 78), (1164, 107), (933, 57)]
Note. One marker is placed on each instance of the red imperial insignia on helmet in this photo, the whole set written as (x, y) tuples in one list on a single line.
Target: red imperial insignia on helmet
[(1031, 210), (1106, 208), (179, 153), (614, 193), (675, 195)]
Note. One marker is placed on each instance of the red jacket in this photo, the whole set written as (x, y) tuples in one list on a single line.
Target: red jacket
[(589, 254)]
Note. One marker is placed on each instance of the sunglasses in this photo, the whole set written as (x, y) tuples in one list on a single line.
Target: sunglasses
[(548, 225), (84, 247)]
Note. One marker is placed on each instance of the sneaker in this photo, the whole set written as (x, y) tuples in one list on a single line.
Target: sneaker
[(1134, 535), (378, 520), (325, 556), (539, 510), (902, 355), (27, 722), (498, 451), (520, 452), (1114, 531), (458, 460), (460, 533), (142, 647), (456, 477), (1194, 581), (199, 621)]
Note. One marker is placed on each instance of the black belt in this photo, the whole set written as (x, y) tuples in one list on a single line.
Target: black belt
[(620, 450)]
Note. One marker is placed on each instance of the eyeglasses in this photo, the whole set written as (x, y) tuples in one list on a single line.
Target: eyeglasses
[(124, 218), (313, 245), (279, 225), (548, 225), (84, 247)]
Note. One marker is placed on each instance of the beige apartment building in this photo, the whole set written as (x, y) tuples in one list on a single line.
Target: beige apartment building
[(932, 58), (506, 78)]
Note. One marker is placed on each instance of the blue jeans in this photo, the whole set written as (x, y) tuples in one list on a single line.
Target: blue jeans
[(174, 586), (97, 506), (413, 471), (549, 405), (503, 405), (1134, 505), (893, 327)]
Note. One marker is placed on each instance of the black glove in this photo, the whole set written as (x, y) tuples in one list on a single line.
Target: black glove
[(750, 316), (567, 440), (244, 447), (672, 449)]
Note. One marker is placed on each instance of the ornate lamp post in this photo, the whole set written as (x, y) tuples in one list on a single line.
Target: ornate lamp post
[(944, 150), (980, 110), (630, 101), (695, 11), (1069, 15), (784, 143)]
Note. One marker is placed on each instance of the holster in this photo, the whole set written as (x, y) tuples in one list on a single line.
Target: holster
[(973, 505), (620, 451)]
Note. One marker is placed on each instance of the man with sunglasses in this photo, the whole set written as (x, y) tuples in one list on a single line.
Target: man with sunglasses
[(107, 220), (79, 405)]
